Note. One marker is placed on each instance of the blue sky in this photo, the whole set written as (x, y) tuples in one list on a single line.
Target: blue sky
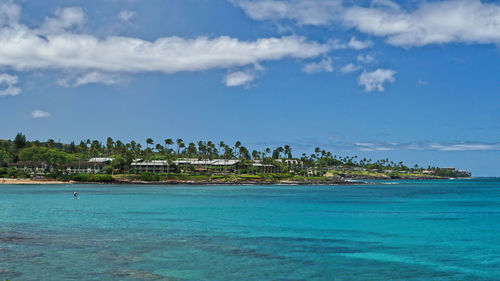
[(415, 81)]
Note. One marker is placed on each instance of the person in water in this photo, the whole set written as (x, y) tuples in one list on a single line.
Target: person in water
[(75, 195)]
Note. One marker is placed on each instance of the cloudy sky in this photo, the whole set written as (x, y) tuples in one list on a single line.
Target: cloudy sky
[(416, 81)]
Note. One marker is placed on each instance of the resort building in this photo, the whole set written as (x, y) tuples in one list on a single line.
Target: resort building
[(154, 166), (200, 166), (85, 167), (32, 167), (104, 160)]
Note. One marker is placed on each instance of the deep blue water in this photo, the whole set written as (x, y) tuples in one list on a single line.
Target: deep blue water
[(412, 230)]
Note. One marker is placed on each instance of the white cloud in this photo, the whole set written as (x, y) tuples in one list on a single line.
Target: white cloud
[(304, 12), (437, 22), (94, 77), (465, 21), (464, 147), (421, 82), (65, 18), (9, 13), (8, 85), (242, 77), (238, 78), (384, 3), (359, 45), (39, 114), (125, 15), (349, 68), (325, 65), (375, 80), (427, 146), (365, 59), (368, 146), (23, 49)]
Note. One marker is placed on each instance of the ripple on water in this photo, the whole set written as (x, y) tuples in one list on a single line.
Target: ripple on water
[(137, 275)]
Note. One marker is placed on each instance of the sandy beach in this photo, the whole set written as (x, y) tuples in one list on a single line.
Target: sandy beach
[(30, 181)]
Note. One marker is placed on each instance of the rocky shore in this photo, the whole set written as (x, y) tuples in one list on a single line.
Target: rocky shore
[(330, 181), (351, 179)]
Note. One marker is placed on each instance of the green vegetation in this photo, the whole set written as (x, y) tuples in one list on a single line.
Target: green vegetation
[(21, 158), (91, 178)]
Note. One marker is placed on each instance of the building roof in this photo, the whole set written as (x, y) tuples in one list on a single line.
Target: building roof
[(224, 162), (100, 159), (189, 161)]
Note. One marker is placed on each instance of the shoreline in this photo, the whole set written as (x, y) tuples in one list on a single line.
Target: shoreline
[(344, 181), (174, 182), (32, 181)]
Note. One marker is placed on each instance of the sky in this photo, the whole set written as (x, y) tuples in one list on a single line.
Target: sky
[(413, 81)]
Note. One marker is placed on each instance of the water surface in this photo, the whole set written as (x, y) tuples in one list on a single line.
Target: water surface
[(411, 230)]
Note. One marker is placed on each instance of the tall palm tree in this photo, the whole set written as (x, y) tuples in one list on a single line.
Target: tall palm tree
[(180, 144), (159, 147), (237, 146), (168, 143), (221, 145), (148, 142), (109, 145), (87, 142), (288, 152)]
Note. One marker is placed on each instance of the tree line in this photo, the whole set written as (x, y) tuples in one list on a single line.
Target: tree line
[(58, 154)]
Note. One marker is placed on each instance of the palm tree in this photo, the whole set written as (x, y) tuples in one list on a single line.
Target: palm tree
[(109, 145), (222, 145), (255, 155), (236, 146), (279, 150), (168, 143), (288, 152), (210, 149), (180, 144), (158, 147), (148, 142)]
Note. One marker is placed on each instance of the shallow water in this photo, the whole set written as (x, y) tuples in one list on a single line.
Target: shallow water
[(412, 230)]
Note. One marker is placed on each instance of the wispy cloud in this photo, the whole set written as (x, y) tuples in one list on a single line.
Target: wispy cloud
[(324, 65), (8, 85), (340, 144), (242, 77), (65, 18), (349, 68), (238, 78), (421, 82), (94, 77), (304, 12), (375, 80), (359, 45), (9, 13), (39, 114), (427, 146), (365, 59), (126, 15), (431, 22)]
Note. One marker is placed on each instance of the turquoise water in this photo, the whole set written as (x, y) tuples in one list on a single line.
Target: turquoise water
[(412, 230)]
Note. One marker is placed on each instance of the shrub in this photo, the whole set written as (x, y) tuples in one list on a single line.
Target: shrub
[(102, 178), (149, 177), (17, 174), (81, 177), (92, 178), (108, 169)]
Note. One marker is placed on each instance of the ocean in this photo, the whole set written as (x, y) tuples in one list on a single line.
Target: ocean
[(389, 230)]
